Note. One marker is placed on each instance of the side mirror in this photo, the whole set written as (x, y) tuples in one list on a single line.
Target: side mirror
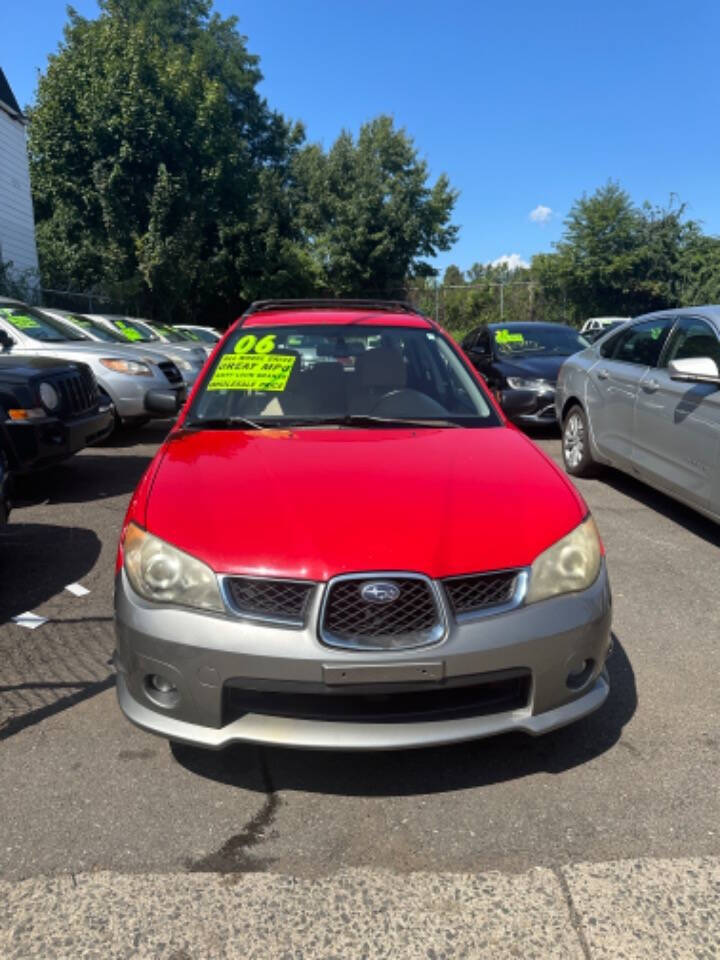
[(695, 370), (6, 341), (162, 402), (516, 402)]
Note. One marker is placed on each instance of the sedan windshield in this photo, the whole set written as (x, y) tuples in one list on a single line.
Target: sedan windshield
[(97, 329), (171, 334), (533, 338), (40, 326), (198, 333), (135, 332), (340, 375)]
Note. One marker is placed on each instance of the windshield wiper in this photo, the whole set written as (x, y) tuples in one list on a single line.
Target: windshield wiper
[(367, 420), (223, 423)]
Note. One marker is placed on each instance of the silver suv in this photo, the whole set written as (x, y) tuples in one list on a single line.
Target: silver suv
[(139, 387)]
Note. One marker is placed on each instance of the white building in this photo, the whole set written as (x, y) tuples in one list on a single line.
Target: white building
[(17, 224)]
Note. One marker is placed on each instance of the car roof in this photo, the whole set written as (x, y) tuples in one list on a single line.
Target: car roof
[(708, 311), (338, 316)]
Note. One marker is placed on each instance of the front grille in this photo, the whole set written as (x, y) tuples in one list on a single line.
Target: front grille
[(411, 620), (171, 372), (480, 591), (284, 601), (473, 696), (78, 392)]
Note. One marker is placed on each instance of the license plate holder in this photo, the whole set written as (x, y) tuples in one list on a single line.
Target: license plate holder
[(351, 674)]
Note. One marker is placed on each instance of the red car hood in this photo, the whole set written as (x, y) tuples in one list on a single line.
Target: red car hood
[(315, 503)]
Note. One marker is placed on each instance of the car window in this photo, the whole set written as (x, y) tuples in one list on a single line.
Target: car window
[(39, 326), (692, 337), (103, 333), (535, 339), (641, 344), (135, 332), (286, 374)]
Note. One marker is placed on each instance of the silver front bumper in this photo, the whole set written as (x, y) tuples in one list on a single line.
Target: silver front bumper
[(202, 654)]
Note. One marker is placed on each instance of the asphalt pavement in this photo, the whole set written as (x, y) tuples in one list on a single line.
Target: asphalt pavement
[(599, 840)]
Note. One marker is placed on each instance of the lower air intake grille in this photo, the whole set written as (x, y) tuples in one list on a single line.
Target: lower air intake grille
[(481, 591), (472, 696), (283, 601), (352, 619)]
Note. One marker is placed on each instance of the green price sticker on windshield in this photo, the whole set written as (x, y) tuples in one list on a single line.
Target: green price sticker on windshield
[(128, 332), (504, 336), (20, 321), (252, 372)]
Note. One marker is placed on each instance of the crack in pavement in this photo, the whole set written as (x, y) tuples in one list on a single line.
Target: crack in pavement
[(573, 914), (233, 856)]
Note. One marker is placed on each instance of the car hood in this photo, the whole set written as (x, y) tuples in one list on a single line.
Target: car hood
[(316, 503), (546, 368), (20, 366), (90, 350)]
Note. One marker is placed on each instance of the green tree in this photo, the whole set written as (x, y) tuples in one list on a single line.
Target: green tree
[(367, 213), (617, 258), (159, 173)]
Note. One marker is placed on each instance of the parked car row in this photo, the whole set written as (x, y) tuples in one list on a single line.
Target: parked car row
[(67, 380)]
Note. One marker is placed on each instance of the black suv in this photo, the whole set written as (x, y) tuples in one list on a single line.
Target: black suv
[(49, 409)]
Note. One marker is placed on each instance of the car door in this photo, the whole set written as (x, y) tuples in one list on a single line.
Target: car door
[(677, 424), (613, 383)]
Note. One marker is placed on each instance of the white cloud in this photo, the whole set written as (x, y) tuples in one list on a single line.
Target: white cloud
[(513, 261), (541, 214)]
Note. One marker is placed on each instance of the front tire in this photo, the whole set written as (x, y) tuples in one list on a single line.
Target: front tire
[(577, 456)]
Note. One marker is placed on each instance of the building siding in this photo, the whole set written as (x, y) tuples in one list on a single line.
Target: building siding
[(17, 224)]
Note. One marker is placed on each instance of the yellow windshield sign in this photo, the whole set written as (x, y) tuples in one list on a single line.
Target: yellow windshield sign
[(252, 372), (128, 332), (504, 336)]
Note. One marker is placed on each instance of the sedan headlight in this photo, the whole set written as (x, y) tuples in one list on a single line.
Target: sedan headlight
[(180, 361), (132, 367), (161, 572), (520, 383), (571, 564)]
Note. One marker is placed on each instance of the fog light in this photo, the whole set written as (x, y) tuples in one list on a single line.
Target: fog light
[(578, 677), (161, 684)]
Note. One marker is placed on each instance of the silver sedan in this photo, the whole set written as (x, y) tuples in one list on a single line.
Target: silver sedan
[(646, 399)]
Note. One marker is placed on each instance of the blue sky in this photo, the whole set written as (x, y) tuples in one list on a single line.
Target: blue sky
[(524, 105)]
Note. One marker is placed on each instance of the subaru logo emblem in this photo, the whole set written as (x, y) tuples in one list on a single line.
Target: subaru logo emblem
[(379, 591)]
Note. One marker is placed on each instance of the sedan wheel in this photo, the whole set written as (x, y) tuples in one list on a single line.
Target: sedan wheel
[(576, 445)]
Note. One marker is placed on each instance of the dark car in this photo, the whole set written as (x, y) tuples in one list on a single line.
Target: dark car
[(523, 357), (49, 409)]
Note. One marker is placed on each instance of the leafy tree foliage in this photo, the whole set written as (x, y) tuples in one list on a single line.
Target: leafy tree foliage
[(367, 213), (616, 258), (161, 177)]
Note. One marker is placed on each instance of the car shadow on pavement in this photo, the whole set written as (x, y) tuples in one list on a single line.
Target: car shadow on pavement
[(28, 579), (154, 433), (686, 517), (79, 480), (430, 770)]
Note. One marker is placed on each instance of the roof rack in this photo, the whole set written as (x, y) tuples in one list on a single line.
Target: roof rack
[(388, 306)]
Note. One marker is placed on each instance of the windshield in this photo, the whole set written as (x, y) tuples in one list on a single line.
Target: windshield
[(311, 375), (97, 329), (40, 326), (135, 332), (198, 333), (533, 338), (171, 334)]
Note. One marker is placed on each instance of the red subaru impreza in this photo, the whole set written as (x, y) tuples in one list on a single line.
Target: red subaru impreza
[(344, 544)]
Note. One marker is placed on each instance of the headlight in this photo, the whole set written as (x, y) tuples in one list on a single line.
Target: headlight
[(571, 564), (132, 367), (180, 361), (49, 396), (520, 383), (160, 572)]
